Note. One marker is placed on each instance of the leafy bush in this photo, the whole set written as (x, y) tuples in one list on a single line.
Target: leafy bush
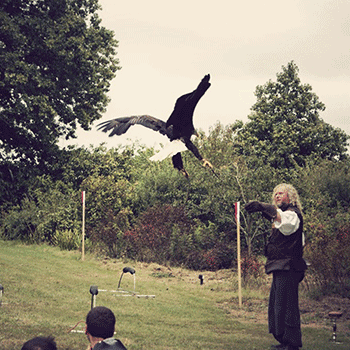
[(107, 235), (20, 223), (49, 207), (161, 231), (219, 257), (252, 268), (67, 239), (166, 234), (329, 256)]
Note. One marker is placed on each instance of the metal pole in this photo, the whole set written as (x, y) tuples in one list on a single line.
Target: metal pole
[(93, 292)]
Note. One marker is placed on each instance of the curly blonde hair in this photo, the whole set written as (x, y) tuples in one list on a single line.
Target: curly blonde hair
[(292, 194)]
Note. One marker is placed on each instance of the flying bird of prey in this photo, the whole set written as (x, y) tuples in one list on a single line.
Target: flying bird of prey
[(178, 128)]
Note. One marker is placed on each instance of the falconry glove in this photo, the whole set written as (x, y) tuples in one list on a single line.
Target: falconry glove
[(268, 210)]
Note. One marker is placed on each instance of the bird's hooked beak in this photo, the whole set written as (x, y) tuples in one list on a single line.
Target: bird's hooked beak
[(195, 133)]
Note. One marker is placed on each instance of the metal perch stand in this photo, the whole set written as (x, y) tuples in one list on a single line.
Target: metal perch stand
[(126, 270), (334, 316)]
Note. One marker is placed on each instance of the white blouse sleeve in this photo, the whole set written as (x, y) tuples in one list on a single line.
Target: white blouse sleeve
[(289, 222)]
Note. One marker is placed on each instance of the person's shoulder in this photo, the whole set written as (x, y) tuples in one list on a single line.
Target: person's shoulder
[(293, 208), (120, 345), (110, 344)]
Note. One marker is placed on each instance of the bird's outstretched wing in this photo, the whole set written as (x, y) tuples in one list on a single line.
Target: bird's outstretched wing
[(121, 125)]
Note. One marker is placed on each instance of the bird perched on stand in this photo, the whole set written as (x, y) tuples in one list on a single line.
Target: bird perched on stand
[(178, 128)]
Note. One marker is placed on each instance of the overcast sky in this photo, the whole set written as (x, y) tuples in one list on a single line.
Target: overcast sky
[(166, 47)]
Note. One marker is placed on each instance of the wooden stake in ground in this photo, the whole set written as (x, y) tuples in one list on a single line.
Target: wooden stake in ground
[(237, 212), (83, 228), (1, 291)]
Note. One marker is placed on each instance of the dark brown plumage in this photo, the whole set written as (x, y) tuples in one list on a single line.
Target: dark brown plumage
[(179, 125)]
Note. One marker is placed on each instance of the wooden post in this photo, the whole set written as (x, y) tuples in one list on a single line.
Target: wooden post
[(1, 291), (83, 228), (237, 210)]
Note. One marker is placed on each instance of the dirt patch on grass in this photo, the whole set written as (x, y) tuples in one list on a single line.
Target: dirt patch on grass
[(316, 313), (313, 313)]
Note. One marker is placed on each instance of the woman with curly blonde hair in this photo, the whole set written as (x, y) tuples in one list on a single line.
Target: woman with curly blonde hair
[(284, 252)]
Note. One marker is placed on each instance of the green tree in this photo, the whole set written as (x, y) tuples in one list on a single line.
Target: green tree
[(56, 64), (285, 127), (75, 164)]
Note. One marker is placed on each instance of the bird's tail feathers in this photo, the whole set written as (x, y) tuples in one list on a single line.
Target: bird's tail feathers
[(169, 150)]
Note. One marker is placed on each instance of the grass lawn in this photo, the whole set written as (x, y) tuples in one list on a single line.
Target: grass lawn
[(46, 292)]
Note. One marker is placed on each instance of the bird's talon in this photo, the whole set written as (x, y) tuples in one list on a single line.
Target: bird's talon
[(184, 173), (206, 163)]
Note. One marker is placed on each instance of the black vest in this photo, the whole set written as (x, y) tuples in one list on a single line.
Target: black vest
[(288, 250)]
